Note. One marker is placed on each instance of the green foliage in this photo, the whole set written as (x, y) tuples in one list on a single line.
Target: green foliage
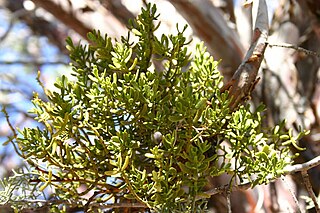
[(99, 131)]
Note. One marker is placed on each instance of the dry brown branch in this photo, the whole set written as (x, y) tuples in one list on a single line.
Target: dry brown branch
[(118, 10), (64, 16), (245, 78), (290, 189), (308, 186), (295, 47), (33, 63), (83, 20)]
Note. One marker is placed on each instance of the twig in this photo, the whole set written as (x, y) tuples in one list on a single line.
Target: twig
[(34, 63), (99, 205), (300, 49), (292, 193), (16, 149), (303, 166), (224, 188), (308, 186), (8, 121), (228, 195), (15, 16), (287, 170), (120, 205)]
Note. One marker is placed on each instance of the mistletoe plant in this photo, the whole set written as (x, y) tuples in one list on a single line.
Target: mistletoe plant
[(145, 122)]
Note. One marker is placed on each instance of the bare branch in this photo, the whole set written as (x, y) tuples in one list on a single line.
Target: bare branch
[(283, 178), (244, 79), (308, 186), (83, 22), (33, 63), (300, 49), (224, 188), (303, 166), (121, 205), (65, 17)]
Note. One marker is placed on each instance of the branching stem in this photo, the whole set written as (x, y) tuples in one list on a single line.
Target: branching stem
[(308, 186)]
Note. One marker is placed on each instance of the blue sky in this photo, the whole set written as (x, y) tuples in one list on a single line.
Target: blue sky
[(15, 47)]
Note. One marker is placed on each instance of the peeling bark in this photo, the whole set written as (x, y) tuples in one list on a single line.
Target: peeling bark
[(244, 79)]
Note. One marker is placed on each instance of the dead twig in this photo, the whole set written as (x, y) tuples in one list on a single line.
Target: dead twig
[(308, 186), (33, 63), (295, 47), (294, 197), (303, 166)]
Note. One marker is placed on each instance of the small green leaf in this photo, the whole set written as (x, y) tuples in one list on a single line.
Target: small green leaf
[(136, 32), (109, 173), (149, 155), (201, 104), (175, 118)]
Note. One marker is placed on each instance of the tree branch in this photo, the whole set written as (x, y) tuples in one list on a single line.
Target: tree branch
[(81, 20), (288, 170), (294, 197), (118, 10), (302, 167), (308, 186), (244, 79), (33, 63), (295, 47), (64, 16)]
